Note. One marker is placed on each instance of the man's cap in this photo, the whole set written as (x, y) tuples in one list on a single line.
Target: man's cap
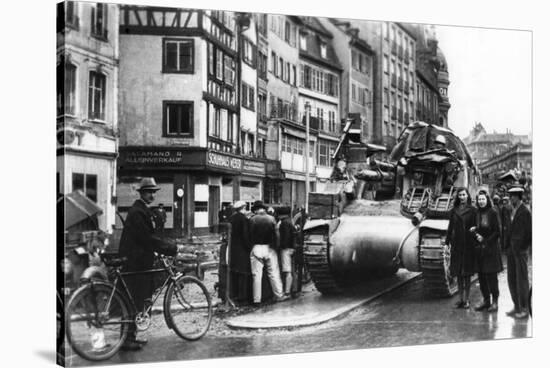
[(148, 184), (496, 196), (239, 204), (515, 190), (257, 205)]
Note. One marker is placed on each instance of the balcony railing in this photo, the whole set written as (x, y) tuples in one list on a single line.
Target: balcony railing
[(400, 84), (393, 80)]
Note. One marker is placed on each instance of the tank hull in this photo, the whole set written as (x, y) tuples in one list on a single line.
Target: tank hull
[(362, 246)]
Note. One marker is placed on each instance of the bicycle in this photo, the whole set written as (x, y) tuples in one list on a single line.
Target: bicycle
[(99, 313)]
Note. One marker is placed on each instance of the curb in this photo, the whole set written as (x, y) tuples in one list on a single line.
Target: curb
[(310, 321)]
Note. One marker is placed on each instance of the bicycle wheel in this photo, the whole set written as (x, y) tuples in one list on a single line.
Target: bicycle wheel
[(188, 308), (97, 321)]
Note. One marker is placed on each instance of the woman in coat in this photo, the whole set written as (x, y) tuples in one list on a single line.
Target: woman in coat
[(487, 233), (461, 240)]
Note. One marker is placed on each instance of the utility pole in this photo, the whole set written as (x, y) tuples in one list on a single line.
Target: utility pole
[(307, 108)]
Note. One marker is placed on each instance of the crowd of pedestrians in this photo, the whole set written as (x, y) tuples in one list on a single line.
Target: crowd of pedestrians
[(261, 239), (478, 235)]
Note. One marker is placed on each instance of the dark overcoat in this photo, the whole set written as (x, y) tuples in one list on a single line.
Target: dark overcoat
[(138, 242), (518, 230), (463, 257), (489, 253), (240, 243)]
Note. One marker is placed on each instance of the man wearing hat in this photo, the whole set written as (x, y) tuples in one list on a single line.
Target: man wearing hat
[(263, 237), (239, 255), (517, 224), (138, 245)]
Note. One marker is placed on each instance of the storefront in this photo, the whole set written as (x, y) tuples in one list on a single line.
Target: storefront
[(251, 181), (194, 182)]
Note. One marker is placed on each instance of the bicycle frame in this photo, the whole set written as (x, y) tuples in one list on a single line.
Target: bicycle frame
[(119, 280)]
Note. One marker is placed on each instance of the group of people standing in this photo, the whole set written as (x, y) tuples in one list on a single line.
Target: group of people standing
[(478, 235), (259, 239)]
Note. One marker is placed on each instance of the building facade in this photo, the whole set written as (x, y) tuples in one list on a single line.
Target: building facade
[(286, 134), (87, 107), (319, 96), (182, 110), (394, 78), (357, 60)]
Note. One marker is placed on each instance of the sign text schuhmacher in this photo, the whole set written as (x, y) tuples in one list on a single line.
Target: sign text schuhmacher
[(224, 161)]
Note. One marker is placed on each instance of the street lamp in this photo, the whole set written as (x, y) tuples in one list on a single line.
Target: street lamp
[(308, 112)]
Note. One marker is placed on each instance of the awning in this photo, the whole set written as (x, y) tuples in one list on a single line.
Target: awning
[(78, 207)]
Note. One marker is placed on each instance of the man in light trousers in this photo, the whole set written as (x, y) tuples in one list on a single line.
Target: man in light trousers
[(263, 237)]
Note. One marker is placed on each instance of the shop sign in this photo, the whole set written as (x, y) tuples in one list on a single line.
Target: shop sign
[(226, 162), (153, 157), (254, 167)]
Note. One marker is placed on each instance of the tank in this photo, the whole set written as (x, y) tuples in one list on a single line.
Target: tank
[(379, 215)]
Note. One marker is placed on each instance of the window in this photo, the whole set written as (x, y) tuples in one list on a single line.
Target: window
[(262, 65), (294, 75), (280, 68), (249, 53), (274, 63), (353, 92), (332, 121), (178, 118), (303, 43), (386, 64), (287, 73), (178, 57), (262, 105), (248, 96), (229, 67), (86, 183), (320, 117), (323, 50), (66, 89), (72, 15), (262, 23), (99, 21), (96, 96), (287, 31), (385, 30)]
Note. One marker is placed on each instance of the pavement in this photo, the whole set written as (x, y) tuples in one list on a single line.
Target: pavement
[(314, 308)]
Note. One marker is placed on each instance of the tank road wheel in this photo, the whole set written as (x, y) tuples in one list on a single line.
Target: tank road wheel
[(316, 256), (435, 262)]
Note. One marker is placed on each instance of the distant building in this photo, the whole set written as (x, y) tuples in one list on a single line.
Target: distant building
[(87, 93), (484, 146), (517, 158)]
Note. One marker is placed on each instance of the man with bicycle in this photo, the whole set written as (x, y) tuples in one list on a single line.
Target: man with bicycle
[(138, 244)]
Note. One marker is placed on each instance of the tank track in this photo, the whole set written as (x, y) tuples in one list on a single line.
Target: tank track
[(318, 263), (435, 265)]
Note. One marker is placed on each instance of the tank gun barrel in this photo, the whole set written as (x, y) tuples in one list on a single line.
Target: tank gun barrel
[(374, 175)]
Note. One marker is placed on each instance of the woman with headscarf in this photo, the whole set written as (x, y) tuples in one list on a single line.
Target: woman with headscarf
[(462, 242), (487, 233)]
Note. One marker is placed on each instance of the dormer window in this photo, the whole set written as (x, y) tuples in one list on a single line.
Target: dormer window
[(323, 50), (303, 43)]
